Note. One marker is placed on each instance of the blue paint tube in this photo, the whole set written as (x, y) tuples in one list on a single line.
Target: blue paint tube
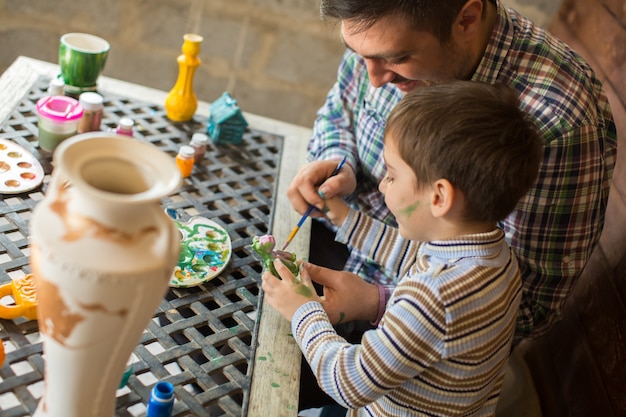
[(161, 400)]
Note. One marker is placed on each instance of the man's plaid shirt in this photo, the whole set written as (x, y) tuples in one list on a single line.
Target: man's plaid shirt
[(554, 229)]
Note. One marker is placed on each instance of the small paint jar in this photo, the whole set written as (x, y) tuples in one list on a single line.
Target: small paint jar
[(93, 107), (161, 402), (56, 87), (198, 143), (58, 118), (125, 126), (185, 160)]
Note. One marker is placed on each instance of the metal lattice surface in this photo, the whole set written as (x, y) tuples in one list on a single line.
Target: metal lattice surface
[(201, 339)]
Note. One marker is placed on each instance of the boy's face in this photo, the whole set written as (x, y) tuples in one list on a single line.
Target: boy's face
[(396, 53), (410, 206)]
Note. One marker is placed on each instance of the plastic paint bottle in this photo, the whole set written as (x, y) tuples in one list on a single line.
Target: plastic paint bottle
[(56, 87), (161, 400), (185, 160), (198, 143), (125, 126), (93, 106)]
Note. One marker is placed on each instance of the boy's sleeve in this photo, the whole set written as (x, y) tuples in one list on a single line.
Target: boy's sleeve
[(378, 241)]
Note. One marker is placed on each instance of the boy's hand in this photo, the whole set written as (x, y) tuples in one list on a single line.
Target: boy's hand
[(289, 294), (347, 296)]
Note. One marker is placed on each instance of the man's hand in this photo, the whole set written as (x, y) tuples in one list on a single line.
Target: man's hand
[(336, 210), (290, 294), (346, 296), (303, 189)]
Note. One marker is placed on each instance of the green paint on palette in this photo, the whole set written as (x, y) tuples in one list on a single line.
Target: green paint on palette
[(275, 385), (262, 358)]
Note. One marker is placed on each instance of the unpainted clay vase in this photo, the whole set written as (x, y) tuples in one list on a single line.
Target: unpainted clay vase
[(103, 252)]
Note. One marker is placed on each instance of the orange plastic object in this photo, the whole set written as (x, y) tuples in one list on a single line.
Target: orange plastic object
[(23, 292)]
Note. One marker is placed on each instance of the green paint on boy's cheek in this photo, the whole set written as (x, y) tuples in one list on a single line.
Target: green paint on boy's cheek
[(304, 290), (410, 209)]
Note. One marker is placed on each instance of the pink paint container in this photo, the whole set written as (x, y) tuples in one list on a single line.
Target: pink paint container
[(58, 120)]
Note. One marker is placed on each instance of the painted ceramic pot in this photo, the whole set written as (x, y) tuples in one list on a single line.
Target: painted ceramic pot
[(102, 256), (82, 57)]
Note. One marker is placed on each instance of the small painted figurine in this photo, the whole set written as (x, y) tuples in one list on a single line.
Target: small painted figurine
[(264, 247)]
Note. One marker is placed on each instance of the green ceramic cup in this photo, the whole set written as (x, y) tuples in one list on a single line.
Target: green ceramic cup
[(82, 57)]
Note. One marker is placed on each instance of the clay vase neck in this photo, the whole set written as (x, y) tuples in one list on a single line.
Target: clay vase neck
[(181, 102), (103, 251)]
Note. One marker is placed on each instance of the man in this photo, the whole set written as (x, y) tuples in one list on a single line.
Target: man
[(395, 46)]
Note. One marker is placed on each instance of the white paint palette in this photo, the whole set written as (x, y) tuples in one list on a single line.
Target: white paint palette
[(20, 171)]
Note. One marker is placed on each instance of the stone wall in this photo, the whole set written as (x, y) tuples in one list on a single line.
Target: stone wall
[(274, 56)]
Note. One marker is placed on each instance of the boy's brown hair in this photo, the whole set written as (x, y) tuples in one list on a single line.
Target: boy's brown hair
[(474, 135)]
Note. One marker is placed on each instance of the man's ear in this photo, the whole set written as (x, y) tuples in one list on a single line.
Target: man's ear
[(442, 197), (469, 18)]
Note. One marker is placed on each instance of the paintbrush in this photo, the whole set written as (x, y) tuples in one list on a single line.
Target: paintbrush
[(308, 211)]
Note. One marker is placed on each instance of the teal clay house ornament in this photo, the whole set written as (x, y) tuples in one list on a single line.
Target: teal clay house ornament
[(226, 123)]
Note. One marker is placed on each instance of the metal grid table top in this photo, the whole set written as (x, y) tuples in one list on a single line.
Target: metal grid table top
[(201, 339)]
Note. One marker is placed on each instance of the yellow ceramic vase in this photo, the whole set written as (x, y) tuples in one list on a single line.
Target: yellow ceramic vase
[(181, 102)]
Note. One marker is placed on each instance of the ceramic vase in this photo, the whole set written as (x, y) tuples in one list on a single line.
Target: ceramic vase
[(103, 251), (181, 102)]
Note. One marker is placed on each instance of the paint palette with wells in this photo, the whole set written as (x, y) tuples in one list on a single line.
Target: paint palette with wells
[(19, 169), (205, 251)]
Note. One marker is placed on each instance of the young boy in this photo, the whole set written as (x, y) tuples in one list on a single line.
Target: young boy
[(459, 157)]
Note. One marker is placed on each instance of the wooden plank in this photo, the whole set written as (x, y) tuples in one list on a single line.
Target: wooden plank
[(580, 382), (601, 312), (276, 377)]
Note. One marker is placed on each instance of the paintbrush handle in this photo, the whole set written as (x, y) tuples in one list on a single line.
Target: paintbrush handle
[(306, 214), (309, 210)]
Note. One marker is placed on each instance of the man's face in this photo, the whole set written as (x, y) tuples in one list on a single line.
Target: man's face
[(396, 53)]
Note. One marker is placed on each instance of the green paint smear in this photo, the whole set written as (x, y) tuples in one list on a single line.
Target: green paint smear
[(204, 249), (304, 290), (275, 385), (342, 316), (262, 358), (410, 209)]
